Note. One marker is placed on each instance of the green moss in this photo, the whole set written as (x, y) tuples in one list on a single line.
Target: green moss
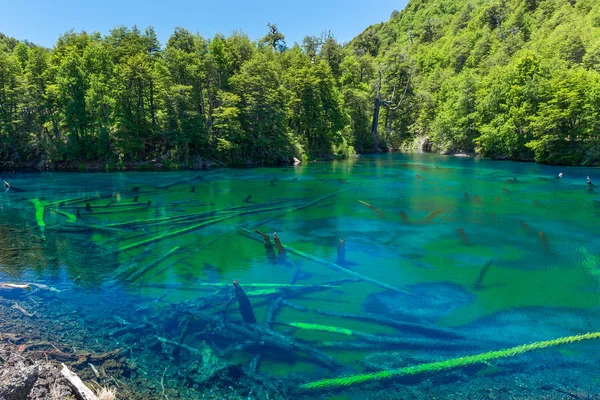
[(262, 292), (39, 212), (70, 217), (444, 365), (322, 328)]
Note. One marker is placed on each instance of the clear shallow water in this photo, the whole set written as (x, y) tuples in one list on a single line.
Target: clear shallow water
[(429, 226)]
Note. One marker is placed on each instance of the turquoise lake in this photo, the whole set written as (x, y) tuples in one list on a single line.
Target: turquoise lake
[(387, 262)]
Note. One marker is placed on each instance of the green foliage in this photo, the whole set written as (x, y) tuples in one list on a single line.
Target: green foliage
[(498, 78), (122, 98), (506, 78)]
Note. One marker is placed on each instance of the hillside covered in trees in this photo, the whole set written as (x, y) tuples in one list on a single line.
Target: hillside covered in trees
[(513, 79)]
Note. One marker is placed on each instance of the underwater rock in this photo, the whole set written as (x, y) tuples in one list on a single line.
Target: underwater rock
[(429, 301)]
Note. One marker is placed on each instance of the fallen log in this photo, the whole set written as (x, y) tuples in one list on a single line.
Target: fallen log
[(115, 210), (194, 251), (428, 330), (268, 337), (333, 266), (270, 285), (83, 391), (200, 215), (62, 356), (14, 286), (70, 217), (174, 233), (168, 185), (377, 211), (222, 296), (271, 314), (245, 307), (39, 213), (379, 339), (142, 271), (179, 345), (80, 199), (22, 310), (311, 203), (346, 381), (406, 344)]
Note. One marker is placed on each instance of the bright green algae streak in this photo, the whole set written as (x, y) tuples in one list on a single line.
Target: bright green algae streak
[(437, 222), (447, 364), (39, 212)]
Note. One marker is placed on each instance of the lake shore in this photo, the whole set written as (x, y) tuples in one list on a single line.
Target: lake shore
[(34, 350), (200, 164)]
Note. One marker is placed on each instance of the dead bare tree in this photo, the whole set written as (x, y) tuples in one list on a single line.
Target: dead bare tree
[(391, 106)]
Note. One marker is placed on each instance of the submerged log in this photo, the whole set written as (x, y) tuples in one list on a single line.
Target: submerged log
[(433, 215), (377, 211), (331, 383), (22, 310), (168, 185), (173, 233), (274, 308), (334, 266), (62, 356), (400, 343), (294, 209), (222, 296), (427, 330), (178, 345), (479, 282), (368, 337), (142, 271), (39, 213), (244, 304), (267, 337)]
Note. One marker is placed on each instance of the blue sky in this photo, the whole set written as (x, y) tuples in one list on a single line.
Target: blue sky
[(42, 21)]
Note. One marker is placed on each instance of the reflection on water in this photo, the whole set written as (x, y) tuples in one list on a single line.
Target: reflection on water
[(380, 263)]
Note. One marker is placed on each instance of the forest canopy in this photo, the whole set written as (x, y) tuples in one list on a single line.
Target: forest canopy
[(516, 79)]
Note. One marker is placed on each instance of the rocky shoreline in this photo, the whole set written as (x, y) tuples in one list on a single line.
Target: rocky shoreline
[(32, 357), (24, 377), (97, 166)]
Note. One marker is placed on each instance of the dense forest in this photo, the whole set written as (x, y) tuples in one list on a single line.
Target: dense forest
[(515, 79)]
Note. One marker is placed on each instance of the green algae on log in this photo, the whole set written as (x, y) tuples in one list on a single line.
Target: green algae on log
[(70, 217), (444, 365), (39, 213)]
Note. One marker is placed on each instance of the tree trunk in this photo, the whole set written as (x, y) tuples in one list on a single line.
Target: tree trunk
[(152, 111), (376, 146), (390, 120)]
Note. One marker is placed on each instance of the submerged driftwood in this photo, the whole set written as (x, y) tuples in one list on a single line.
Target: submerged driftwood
[(263, 336), (331, 265), (428, 330)]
